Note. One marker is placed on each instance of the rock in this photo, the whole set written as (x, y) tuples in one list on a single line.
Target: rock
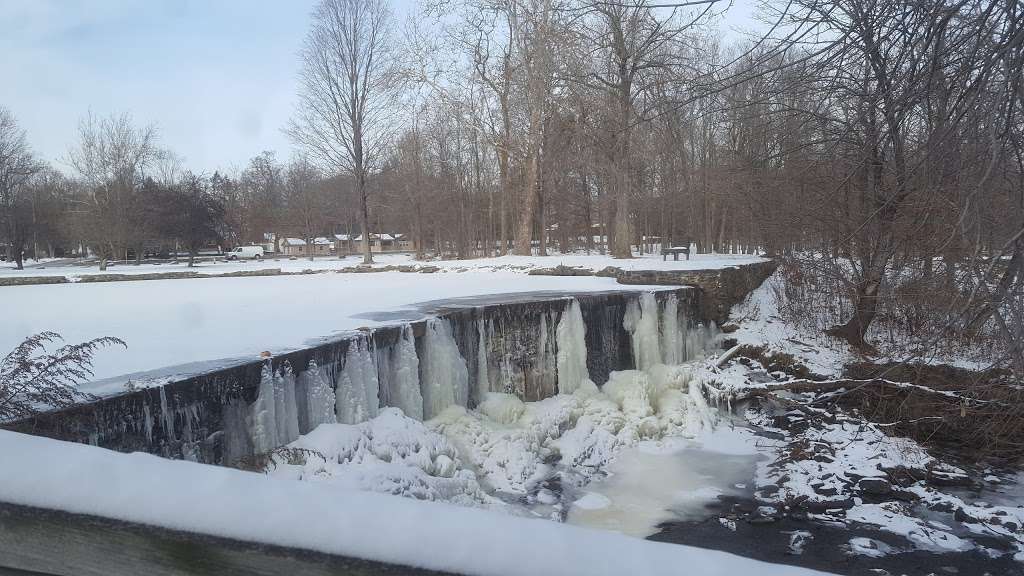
[(904, 476), (1011, 526), (961, 515), (874, 486), (904, 495), (768, 489), (821, 489), (948, 479), (819, 506)]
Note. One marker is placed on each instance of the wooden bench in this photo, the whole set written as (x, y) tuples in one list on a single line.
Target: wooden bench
[(675, 251)]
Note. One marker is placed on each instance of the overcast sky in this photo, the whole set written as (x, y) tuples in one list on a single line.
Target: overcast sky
[(217, 77)]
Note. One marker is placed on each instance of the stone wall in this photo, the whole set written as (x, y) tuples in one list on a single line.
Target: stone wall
[(720, 289), (210, 417)]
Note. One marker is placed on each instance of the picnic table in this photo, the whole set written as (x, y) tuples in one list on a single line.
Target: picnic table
[(675, 251)]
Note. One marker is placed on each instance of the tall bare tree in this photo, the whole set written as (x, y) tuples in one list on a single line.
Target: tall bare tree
[(111, 159), (348, 80), (16, 167)]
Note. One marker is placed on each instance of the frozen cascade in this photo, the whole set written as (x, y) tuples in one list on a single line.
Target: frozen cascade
[(264, 424), (572, 349), (483, 385), (285, 409), (641, 321), (700, 340), (545, 373), (673, 337), (445, 375), (320, 396), (399, 373), (358, 387)]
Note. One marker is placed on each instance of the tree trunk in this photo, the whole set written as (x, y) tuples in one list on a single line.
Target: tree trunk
[(524, 232)]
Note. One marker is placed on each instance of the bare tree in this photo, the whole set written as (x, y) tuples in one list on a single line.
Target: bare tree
[(348, 82), (307, 201), (16, 167), (111, 159)]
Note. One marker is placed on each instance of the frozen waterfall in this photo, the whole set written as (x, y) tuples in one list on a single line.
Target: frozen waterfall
[(572, 349), (673, 337), (358, 387), (274, 419), (399, 370), (445, 375), (320, 399), (641, 321)]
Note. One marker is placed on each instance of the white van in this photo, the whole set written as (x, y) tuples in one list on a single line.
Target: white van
[(246, 253)]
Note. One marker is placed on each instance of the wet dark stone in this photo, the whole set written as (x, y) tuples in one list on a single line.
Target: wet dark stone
[(904, 495), (874, 486)]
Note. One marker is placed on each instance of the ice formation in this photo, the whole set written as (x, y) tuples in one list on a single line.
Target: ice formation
[(445, 376), (320, 399), (358, 387), (274, 417), (641, 321), (399, 371), (391, 453), (430, 445), (673, 339), (483, 384), (572, 349), (507, 446)]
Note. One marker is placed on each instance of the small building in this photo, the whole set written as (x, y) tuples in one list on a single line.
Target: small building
[(321, 247), (344, 244), (294, 247)]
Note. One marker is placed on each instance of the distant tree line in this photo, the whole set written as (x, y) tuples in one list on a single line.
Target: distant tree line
[(878, 147)]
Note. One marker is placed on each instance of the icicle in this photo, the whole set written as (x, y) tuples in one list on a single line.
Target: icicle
[(285, 409), (320, 399), (673, 341), (572, 349), (483, 385), (545, 369), (445, 375), (403, 376), (358, 387), (641, 321), (166, 416), (264, 424)]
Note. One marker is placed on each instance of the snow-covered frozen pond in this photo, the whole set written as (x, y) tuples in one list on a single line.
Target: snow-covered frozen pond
[(175, 322)]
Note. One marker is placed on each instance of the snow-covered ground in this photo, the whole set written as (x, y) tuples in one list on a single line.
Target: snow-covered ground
[(760, 323), (316, 516), (594, 262), (176, 322)]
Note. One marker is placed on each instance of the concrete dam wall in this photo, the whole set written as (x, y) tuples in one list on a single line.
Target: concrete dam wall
[(519, 346)]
